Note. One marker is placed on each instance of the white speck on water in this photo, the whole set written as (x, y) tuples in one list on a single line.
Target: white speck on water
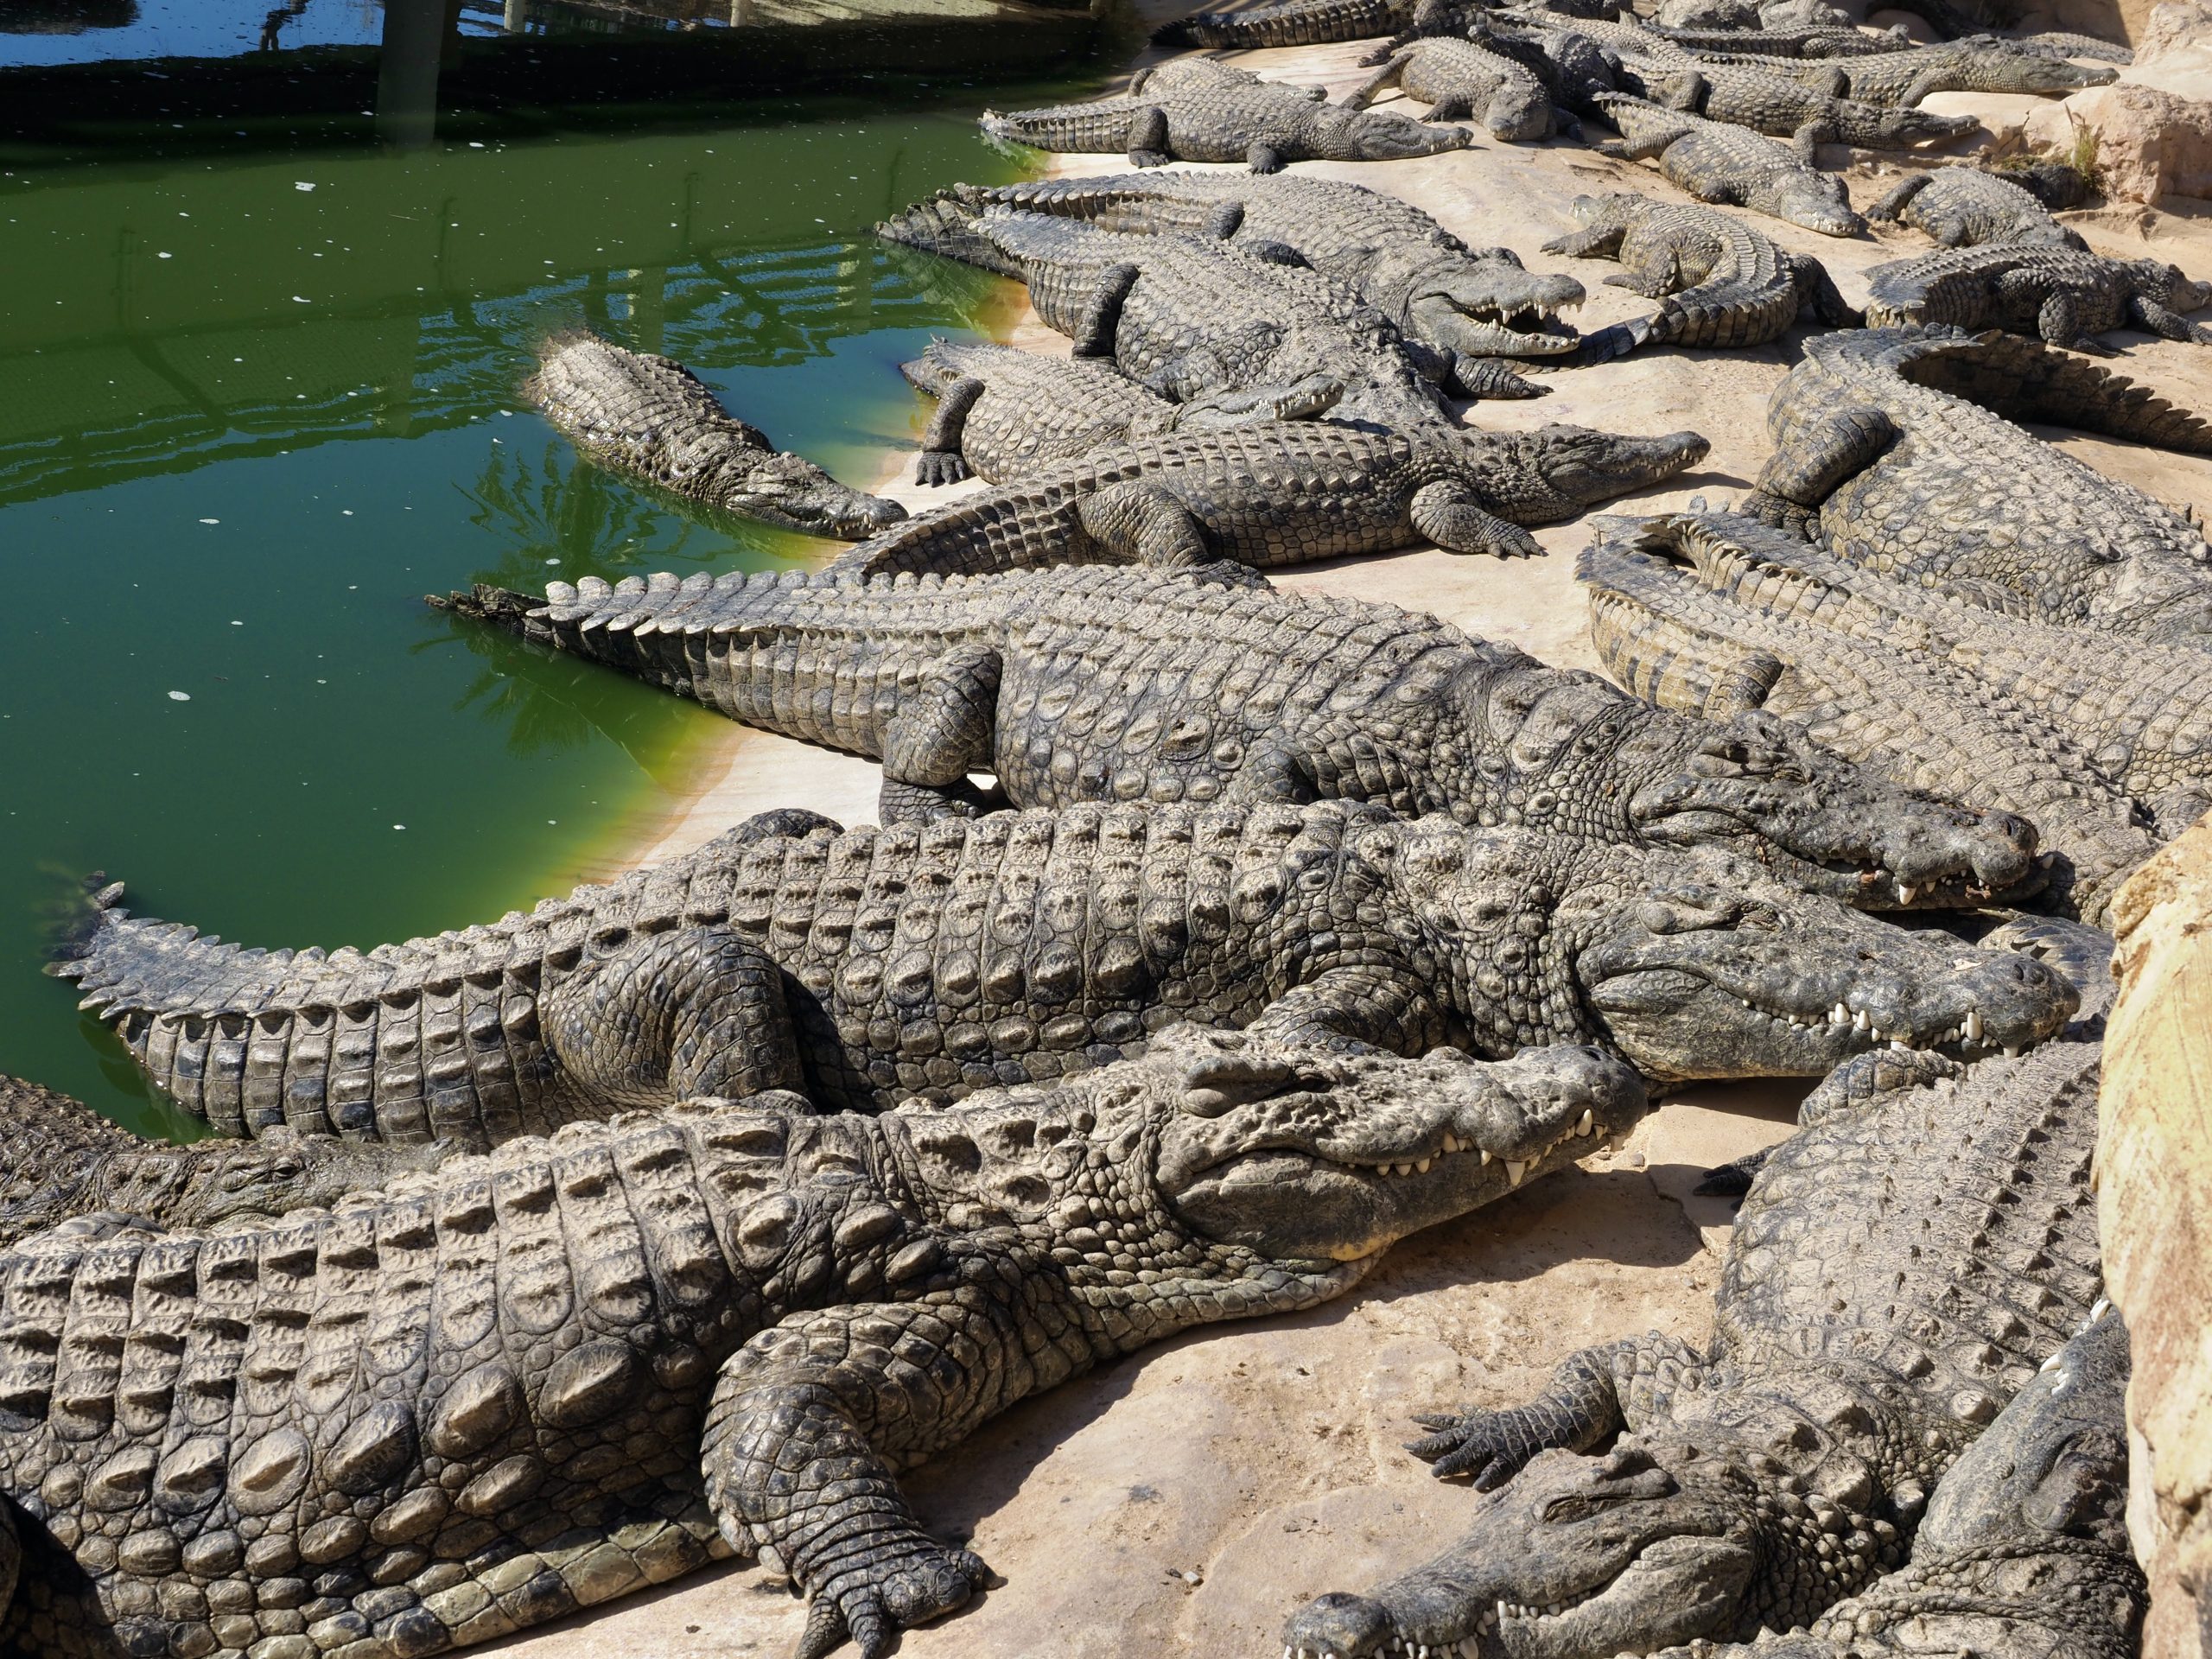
[(302, 184), (211, 521), (349, 511), (236, 623), (473, 144), (179, 696), (552, 560), (401, 826), (300, 299), (164, 256)]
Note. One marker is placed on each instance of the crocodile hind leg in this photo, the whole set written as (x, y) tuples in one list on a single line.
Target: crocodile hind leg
[(1140, 522), (1816, 289), (1392, 71), (940, 462), (2168, 325), (661, 1017), (1448, 514), (811, 1419), (1813, 466), (941, 733), (1099, 317), (1149, 138), (2059, 320)]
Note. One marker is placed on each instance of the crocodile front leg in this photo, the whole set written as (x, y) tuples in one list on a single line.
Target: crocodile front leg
[(1370, 1008), (943, 731), (666, 1016), (1448, 514), (811, 1420), (1099, 315), (1140, 522), (1812, 465), (2059, 321), (1816, 289), (1392, 71), (1265, 158), (1148, 137), (1892, 205), (2167, 324), (1592, 1393), (941, 462)]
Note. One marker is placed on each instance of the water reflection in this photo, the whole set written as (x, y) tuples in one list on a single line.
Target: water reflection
[(66, 16)]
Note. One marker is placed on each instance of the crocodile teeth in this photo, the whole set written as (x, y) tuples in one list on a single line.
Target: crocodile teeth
[(1907, 892), (1899, 1042), (1589, 1123), (1839, 1015), (1861, 1020), (1423, 1165), (2012, 1051), (1451, 1141), (1514, 1169), (1974, 1025), (1487, 1156)]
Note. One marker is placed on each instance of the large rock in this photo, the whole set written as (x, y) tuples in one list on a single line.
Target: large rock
[(2153, 126), (2154, 1211)]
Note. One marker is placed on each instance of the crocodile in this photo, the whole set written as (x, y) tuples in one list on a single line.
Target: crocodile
[(1902, 699), (1894, 472), (1720, 283), (1812, 41), (1731, 17), (1963, 206), (936, 959), (2023, 1553), (1290, 493), (1459, 78), (1471, 302), (1187, 316), (1980, 63), (2064, 295), (1322, 22), (543, 1377), (651, 418), (1715, 161), (62, 1160), (1002, 412), (1243, 693), (1784, 106), (1195, 110), (1898, 1272)]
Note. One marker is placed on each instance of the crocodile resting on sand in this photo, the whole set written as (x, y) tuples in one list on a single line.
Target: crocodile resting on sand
[(1282, 494), (1721, 283), (1678, 614), (1898, 1272), (1002, 412), (536, 1380), (1462, 78), (1195, 110), (1320, 23), (2063, 295), (60, 1159), (1979, 63), (1715, 161), (1963, 206), (2025, 1552), (1874, 454), (1784, 106), (1244, 693), (1472, 301), (868, 965), (650, 417)]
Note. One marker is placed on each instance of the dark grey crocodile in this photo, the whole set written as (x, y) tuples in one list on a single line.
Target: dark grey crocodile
[(1789, 41), (1898, 1272), (1284, 494), (540, 1379), (1188, 316), (1980, 63), (2025, 1552), (1002, 413), (1195, 110), (869, 965), (1673, 622), (1715, 161), (1472, 301), (60, 1161), (1459, 78), (1721, 283), (1894, 472), (1784, 106), (651, 418), (1963, 206), (2064, 295), (1243, 693), (1736, 17), (1289, 22)]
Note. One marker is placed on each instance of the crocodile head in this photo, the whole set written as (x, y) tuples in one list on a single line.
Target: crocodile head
[(1555, 472), (282, 1172), (1342, 135), (2165, 283), (792, 492), (1896, 129), (1692, 965), (1490, 307), (1815, 200), (2001, 66)]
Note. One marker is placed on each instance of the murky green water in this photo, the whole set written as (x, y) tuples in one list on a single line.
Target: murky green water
[(252, 407)]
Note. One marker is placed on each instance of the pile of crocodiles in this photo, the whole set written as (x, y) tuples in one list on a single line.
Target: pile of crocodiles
[(1216, 936)]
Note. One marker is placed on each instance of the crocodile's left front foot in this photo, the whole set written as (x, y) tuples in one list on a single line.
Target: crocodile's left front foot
[(890, 1584)]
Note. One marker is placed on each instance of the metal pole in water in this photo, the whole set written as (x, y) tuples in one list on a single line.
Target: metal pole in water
[(407, 76)]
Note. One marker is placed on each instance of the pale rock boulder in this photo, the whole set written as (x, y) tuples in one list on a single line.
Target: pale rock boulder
[(2153, 125)]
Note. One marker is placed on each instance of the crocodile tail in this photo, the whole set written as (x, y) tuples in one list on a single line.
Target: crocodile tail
[(1102, 128), (1150, 203), (1639, 604), (1014, 527), (2024, 379), (1287, 23), (950, 223)]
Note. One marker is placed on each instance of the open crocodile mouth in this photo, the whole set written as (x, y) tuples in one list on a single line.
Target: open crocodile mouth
[(1473, 1645), (1521, 331), (1827, 1036)]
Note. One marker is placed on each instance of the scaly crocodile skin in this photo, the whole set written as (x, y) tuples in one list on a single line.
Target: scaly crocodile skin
[(2065, 295), (1459, 78), (1966, 207), (1981, 64), (1715, 161)]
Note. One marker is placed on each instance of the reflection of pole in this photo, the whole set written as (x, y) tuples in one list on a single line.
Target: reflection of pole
[(741, 13), (407, 80), (648, 306), (517, 17)]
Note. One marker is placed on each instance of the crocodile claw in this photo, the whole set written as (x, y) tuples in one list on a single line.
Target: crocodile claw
[(1472, 1443), (872, 1606)]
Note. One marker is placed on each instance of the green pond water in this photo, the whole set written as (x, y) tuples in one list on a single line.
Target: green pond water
[(253, 405)]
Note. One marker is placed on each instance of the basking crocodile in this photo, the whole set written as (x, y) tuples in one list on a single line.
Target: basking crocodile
[(1244, 693), (1979, 63), (1896, 474), (1784, 106), (1715, 161), (1002, 412), (1898, 1272), (1472, 301), (539, 1379), (2064, 295), (1283, 494), (1738, 17), (651, 418), (869, 965), (1290, 22), (1459, 78), (1188, 316), (59, 1160), (1799, 41), (1678, 615), (1721, 283), (2025, 1552), (1963, 206), (1195, 110)]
